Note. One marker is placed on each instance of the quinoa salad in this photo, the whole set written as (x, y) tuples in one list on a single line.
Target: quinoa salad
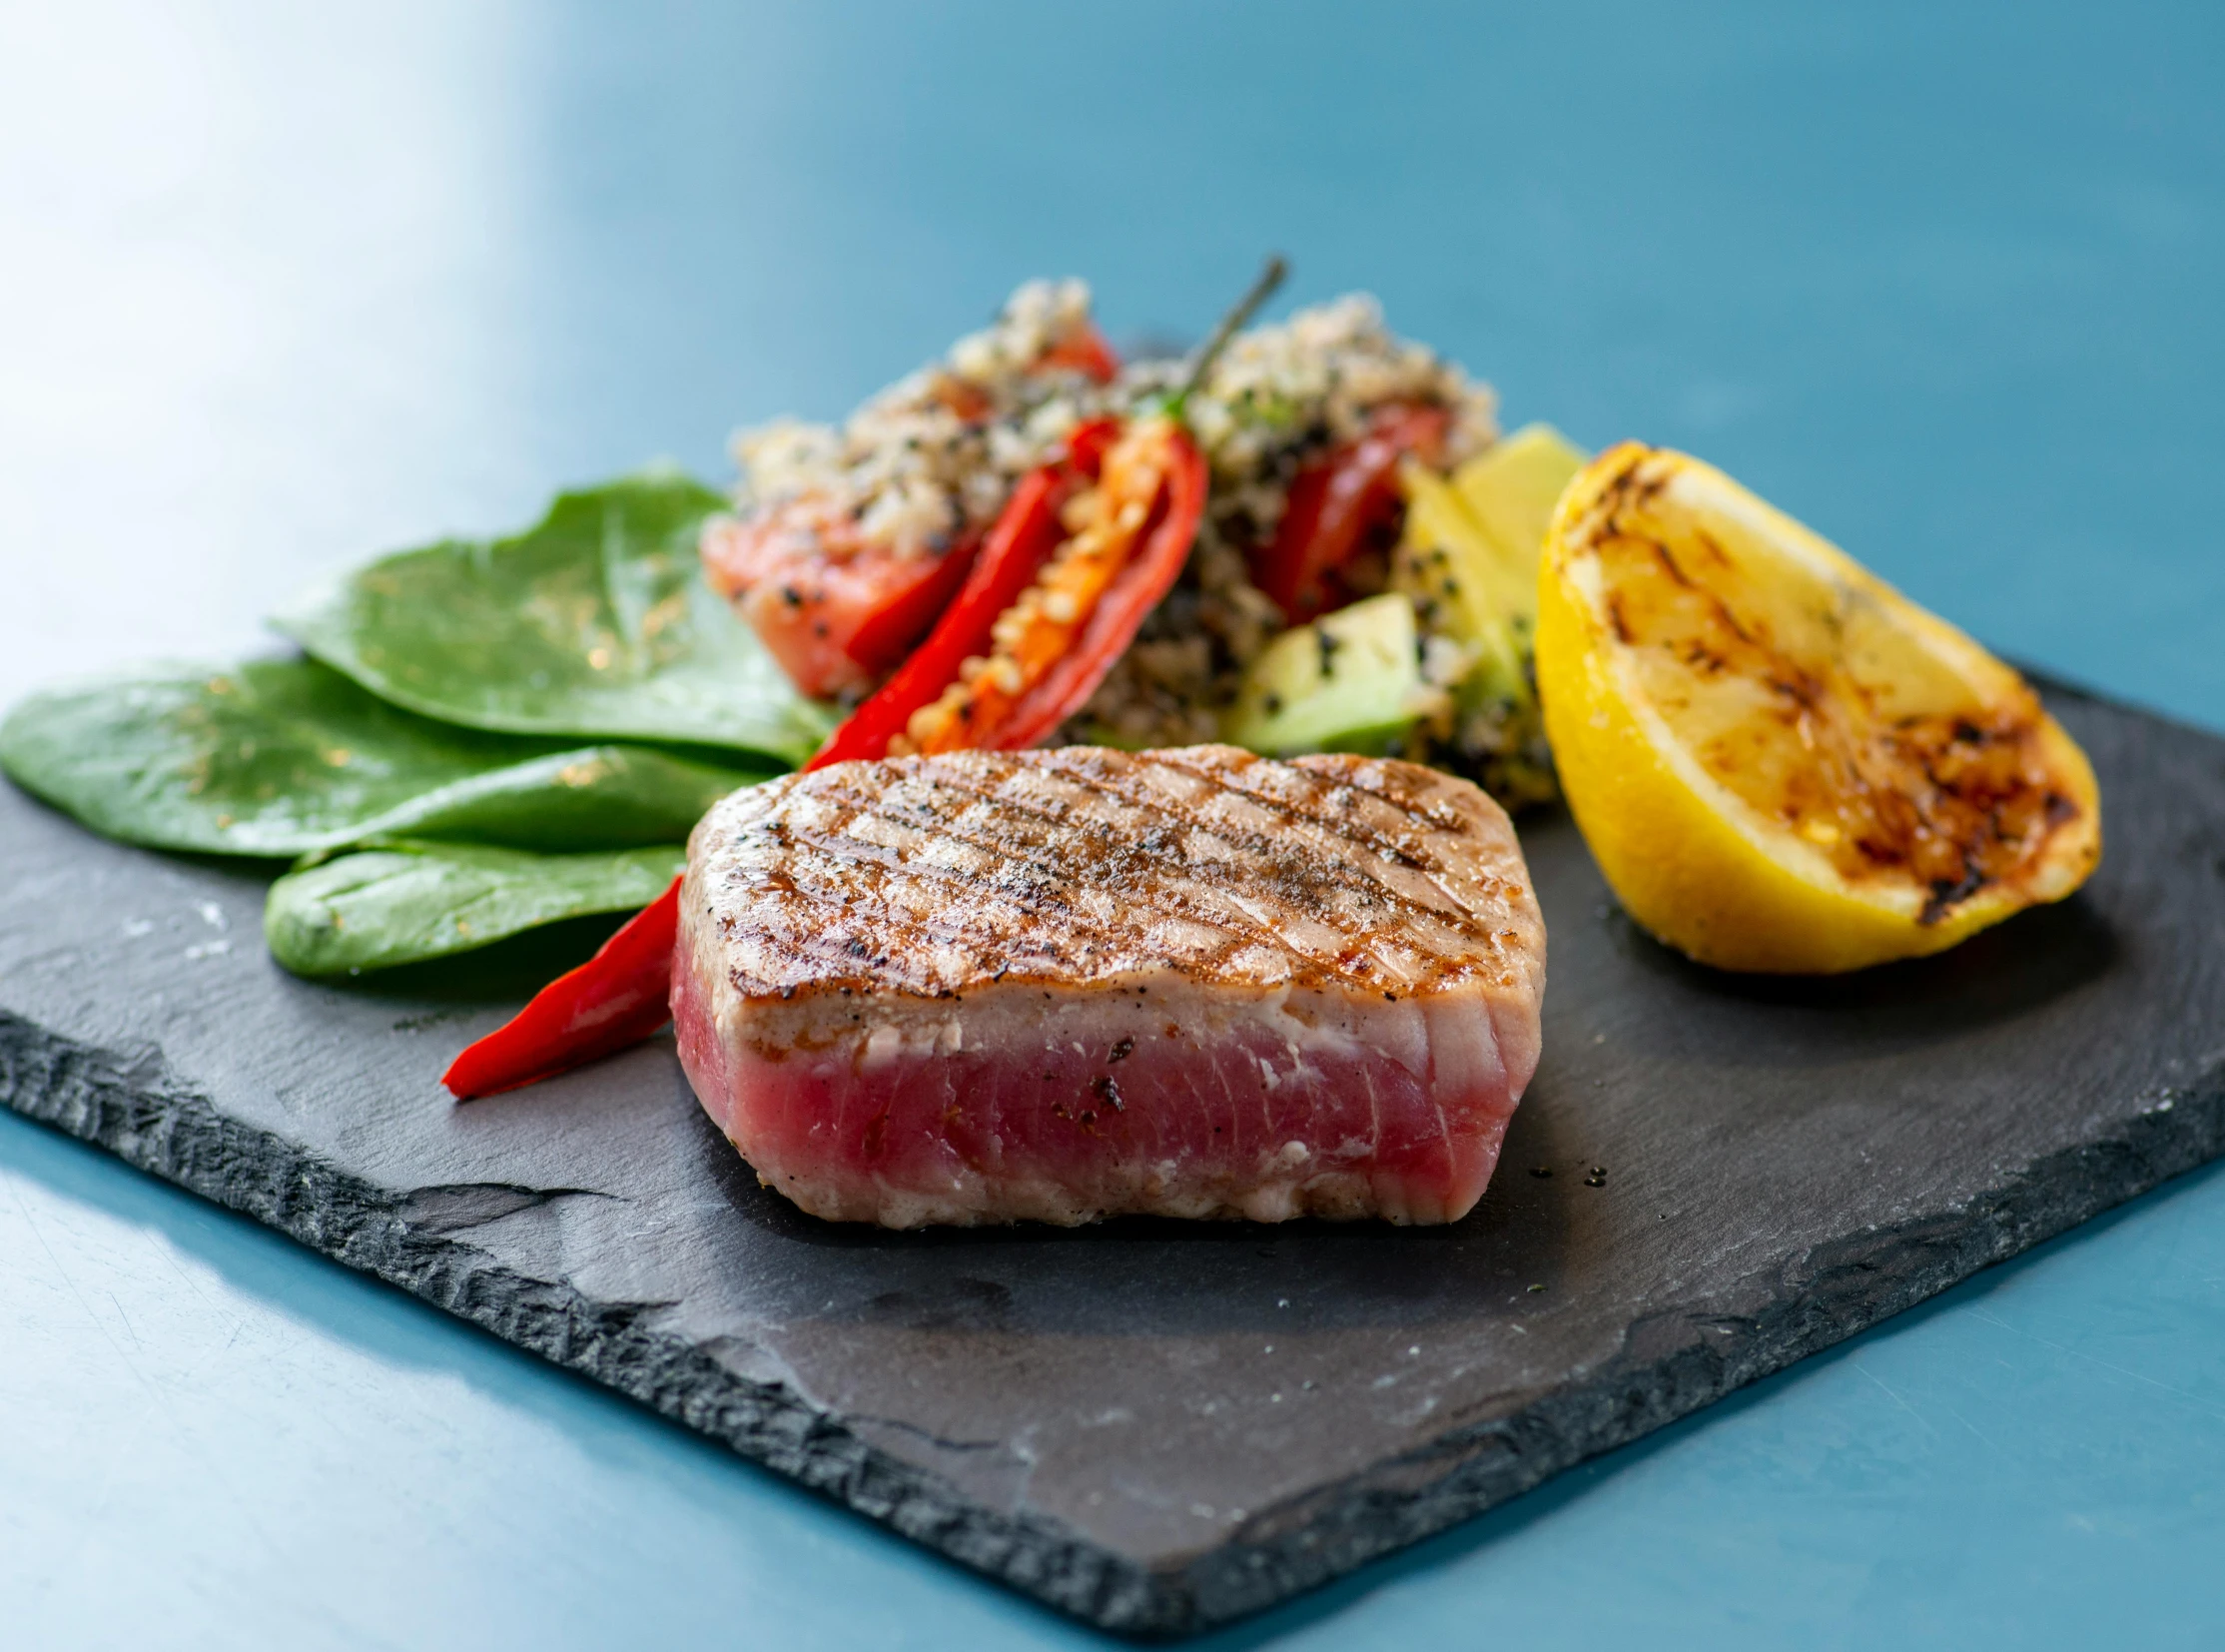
[(939, 449), (919, 474)]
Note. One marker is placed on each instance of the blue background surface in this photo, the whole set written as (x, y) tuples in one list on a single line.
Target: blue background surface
[(287, 285)]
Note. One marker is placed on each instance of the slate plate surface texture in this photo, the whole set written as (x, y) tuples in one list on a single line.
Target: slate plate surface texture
[(1156, 1426)]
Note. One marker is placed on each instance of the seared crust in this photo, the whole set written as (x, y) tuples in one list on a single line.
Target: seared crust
[(928, 877), (1058, 986)]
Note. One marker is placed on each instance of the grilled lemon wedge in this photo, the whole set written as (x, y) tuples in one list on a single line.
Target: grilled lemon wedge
[(1781, 763)]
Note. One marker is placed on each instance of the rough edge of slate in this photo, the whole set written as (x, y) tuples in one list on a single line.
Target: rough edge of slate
[(127, 1101)]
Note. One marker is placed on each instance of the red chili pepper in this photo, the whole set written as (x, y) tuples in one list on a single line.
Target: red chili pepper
[(1336, 502), (1088, 443), (1138, 589), (617, 998), (1024, 538)]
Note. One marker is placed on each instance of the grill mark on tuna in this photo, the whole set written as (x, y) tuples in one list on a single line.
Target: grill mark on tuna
[(983, 940), (1301, 879), (1051, 877), (1422, 810), (1452, 904), (1403, 847), (982, 937), (1342, 834), (1300, 889), (1343, 829), (1426, 803), (1303, 885), (820, 868), (1303, 876), (1298, 882), (980, 941), (1332, 836)]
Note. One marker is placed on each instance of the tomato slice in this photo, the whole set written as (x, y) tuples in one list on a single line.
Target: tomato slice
[(1084, 350), (832, 622), (1336, 502)]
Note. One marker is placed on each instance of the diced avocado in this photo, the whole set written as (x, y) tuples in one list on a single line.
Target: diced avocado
[(1465, 585), (1512, 487), (1350, 682), (1470, 554), (1468, 559)]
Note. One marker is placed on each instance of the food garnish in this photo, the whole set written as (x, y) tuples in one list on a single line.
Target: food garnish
[(285, 757), (1781, 763), (610, 1003), (1085, 549), (1350, 682), (403, 900), (594, 621), (1468, 558), (1306, 428), (1063, 984)]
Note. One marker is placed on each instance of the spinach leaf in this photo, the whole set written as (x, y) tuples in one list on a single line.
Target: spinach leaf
[(403, 902), (280, 757), (595, 621)]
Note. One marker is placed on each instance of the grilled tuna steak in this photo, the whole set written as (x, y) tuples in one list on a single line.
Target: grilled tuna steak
[(1056, 986)]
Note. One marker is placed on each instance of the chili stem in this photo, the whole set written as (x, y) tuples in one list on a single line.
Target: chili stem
[(1201, 362)]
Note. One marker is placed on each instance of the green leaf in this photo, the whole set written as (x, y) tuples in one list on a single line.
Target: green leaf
[(282, 757), (404, 902), (595, 621)]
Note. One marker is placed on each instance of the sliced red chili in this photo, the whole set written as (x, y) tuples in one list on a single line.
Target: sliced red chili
[(1138, 589), (1337, 503), (1024, 540), (1089, 441), (617, 998), (1025, 535)]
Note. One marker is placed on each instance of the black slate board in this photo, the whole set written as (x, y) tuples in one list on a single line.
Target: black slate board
[(1156, 1426)]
